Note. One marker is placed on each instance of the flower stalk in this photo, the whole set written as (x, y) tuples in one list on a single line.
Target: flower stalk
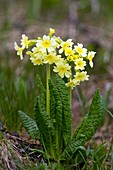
[(52, 151), (47, 89)]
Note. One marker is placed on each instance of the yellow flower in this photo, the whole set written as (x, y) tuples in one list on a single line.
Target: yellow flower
[(50, 58), (58, 59), (37, 50), (37, 60), (79, 49), (80, 64), (69, 58), (90, 57), (81, 76), (75, 57), (52, 31), (62, 69), (19, 50), (46, 43), (32, 54), (24, 41), (65, 45), (69, 51), (72, 83)]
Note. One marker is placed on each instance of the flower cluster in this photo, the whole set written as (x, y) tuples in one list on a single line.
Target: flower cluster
[(68, 60)]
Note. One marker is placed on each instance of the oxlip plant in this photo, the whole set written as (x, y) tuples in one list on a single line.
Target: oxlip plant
[(67, 64)]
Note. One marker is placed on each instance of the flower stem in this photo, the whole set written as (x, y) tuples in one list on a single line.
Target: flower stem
[(48, 108), (70, 100), (47, 90)]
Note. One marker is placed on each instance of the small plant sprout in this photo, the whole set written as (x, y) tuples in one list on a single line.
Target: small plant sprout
[(52, 126)]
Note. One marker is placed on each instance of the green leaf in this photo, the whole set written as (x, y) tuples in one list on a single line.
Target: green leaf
[(44, 123), (56, 104), (67, 114), (93, 118), (56, 113), (88, 126), (30, 125)]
